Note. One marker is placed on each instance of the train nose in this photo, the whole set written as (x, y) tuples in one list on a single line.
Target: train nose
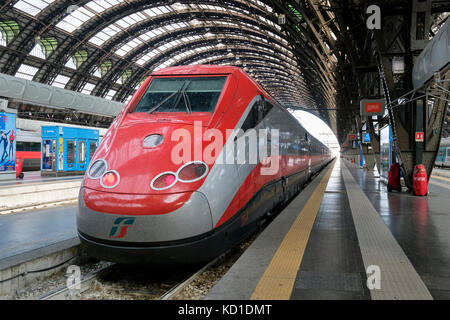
[(137, 224)]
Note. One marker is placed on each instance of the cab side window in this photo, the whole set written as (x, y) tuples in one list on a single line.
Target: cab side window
[(258, 112)]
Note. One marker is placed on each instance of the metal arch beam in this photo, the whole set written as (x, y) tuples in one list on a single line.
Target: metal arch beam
[(36, 26), (326, 64), (152, 63), (329, 82), (176, 50), (240, 18), (178, 34), (253, 58), (115, 42), (270, 17), (113, 14), (287, 81), (121, 96), (319, 39), (249, 59), (200, 55), (139, 28), (258, 66)]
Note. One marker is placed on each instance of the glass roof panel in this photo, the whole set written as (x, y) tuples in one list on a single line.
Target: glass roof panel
[(88, 87), (75, 19), (110, 94), (60, 81), (33, 7), (26, 72)]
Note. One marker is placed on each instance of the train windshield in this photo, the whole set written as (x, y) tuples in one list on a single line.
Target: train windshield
[(181, 94)]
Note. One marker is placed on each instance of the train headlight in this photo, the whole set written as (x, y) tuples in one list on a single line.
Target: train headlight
[(152, 140), (97, 169), (110, 179), (192, 171), (164, 181)]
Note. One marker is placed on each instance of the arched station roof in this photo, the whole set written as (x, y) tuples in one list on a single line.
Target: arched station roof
[(107, 47), (315, 55)]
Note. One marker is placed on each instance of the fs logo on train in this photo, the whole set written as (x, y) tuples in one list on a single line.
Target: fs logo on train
[(120, 227)]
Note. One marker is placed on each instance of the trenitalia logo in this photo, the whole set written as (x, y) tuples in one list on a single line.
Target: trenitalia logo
[(121, 226)]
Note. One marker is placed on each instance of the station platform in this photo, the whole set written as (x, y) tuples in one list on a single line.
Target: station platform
[(34, 190), (36, 244), (320, 247), (343, 234), (35, 177), (31, 230)]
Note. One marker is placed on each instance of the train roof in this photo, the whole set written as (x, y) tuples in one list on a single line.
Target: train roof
[(197, 69)]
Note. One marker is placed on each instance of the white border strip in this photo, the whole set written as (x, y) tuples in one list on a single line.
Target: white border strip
[(399, 279)]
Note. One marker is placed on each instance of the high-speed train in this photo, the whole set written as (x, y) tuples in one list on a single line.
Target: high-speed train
[(181, 174)]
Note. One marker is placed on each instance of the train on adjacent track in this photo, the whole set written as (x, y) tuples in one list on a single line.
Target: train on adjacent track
[(180, 177), (28, 148), (443, 156)]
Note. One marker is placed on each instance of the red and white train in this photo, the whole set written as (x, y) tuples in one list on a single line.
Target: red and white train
[(139, 205)]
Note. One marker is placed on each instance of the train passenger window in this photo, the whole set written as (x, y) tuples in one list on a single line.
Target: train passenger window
[(21, 146), (34, 146), (28, 146), (182, 94), (70, 152), (81, 151)]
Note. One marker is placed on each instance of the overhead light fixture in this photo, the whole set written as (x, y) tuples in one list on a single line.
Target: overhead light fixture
[(195, 22), (178, 6)]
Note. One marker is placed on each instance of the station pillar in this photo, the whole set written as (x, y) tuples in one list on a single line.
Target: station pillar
[(419, 133)]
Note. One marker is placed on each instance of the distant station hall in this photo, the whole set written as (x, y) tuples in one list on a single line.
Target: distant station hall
[(225, 150)]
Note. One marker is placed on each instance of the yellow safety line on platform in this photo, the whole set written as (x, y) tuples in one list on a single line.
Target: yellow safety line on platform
[(278, 280), (439, 178)]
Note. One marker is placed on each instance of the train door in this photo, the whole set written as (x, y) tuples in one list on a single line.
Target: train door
[(244, 151), (70, 151), (92, 148), (308, 152), (447, 160), (81, 155), (49, 155)]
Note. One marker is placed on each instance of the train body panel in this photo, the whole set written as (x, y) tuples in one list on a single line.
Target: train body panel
[(136, 220)]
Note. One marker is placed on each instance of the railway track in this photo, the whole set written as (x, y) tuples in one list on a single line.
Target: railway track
[(92, 281), (114, 281)]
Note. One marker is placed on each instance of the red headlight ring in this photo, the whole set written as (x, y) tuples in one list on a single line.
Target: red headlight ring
[(114, 183)]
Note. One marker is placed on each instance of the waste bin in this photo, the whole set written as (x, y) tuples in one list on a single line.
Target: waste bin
[(19, 167), (420, 185)]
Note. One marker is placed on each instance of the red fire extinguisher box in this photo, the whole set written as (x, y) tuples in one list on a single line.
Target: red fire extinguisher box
[(420, 185)]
